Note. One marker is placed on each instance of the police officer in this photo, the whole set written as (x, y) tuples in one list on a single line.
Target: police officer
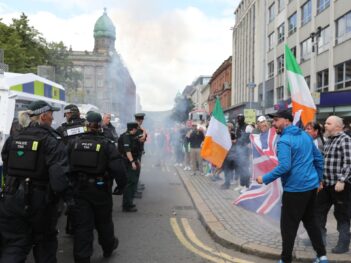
[(36, 168), (141, 137), (74, 125), (128, 147), (94, 162)]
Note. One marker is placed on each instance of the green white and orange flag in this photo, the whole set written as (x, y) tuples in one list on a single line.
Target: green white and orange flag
[(300, 93), (217, 141)]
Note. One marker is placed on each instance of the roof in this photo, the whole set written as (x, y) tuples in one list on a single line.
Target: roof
[(104, 27), (32, 84)]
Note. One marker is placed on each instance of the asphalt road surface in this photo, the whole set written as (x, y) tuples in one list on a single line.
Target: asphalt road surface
[(166, 228)]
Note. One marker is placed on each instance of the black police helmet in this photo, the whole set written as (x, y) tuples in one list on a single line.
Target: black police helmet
[(71, 108)]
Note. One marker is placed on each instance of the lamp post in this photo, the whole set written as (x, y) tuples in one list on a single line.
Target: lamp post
[(251, 86)]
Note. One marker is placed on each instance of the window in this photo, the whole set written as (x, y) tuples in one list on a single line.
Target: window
[(292, 24), (343, 28), (343, 75), (306, 13), (306, 49), (280, 93), (271, 69), (281, 31), (280, 64), (322, 4), (281, 5), (271, 40), (322, 80), (324, 39), (293, 50), (271, 13)]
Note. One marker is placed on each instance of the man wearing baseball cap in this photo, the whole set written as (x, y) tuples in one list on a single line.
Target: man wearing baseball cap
[(300, 167)]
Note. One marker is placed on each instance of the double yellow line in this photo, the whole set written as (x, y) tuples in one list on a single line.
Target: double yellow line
[(205, 252)]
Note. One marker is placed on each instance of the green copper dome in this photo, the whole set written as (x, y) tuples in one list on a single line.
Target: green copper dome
[(104, 27)]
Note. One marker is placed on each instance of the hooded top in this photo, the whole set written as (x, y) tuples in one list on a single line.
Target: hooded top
[(300, 162)]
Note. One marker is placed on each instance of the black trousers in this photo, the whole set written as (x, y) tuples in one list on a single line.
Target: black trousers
[(93, 211), (23, 231), (341, 201), (132, 185), (297, 207)]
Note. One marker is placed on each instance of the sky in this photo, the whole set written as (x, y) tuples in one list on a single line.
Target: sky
[(165, 44)]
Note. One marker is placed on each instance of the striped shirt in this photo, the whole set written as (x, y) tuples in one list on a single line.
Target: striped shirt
[(337, 159)]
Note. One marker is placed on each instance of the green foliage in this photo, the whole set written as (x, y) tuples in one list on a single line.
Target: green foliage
[(25, 48), (181, 108)]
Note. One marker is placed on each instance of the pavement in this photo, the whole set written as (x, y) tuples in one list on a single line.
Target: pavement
[(235, 227)]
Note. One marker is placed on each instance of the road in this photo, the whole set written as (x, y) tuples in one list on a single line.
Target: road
[(165, 229)]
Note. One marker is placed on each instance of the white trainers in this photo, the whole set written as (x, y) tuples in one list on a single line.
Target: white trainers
[(322, 259), (243, 190), (238, 188)]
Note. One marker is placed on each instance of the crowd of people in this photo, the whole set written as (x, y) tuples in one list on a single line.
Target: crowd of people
[(76, 165), (314, 165)]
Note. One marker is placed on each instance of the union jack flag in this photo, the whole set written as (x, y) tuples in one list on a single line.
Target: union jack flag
[(263, 199)]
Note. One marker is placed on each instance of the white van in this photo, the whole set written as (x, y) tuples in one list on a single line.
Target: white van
[(19, 90)]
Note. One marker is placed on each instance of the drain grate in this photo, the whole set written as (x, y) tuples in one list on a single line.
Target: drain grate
[(183, 207)]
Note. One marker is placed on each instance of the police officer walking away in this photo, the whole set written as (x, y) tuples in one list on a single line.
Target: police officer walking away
[(94, 161), (74, 126), (36, 168), (128, 147)]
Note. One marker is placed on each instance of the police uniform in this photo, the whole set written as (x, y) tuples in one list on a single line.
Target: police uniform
[(127, 145), (69, 130), (139, 134), (74, 126), (36, 169), (94, 162)]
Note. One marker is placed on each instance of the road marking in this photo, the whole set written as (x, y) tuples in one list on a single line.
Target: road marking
[(188, 245), (191, 235)]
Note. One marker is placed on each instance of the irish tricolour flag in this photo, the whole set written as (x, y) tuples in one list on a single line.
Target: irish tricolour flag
[(217, 140), (300, 93)]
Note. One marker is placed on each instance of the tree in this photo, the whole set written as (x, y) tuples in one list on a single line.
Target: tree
[(23, 45), (181, 108), (25, 48), (65, 74)]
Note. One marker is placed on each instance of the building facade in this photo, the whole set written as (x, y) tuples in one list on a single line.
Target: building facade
[(106, 82), (200, 92), (220, 85), (319, 34)]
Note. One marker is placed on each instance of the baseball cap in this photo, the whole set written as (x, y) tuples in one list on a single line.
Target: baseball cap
[(261, 118), (285, 114), (93, 117), (38, 107), (132, 125)]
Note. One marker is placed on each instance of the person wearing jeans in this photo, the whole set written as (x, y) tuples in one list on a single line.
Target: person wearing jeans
[(300, 168)]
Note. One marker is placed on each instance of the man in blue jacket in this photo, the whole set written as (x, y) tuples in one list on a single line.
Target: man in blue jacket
[(300, 168)]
